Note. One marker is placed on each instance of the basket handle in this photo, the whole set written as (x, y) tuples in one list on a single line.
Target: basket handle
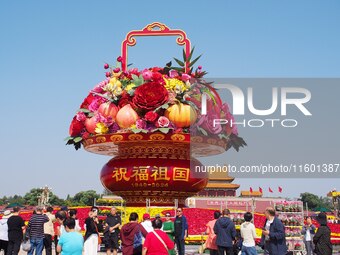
[(155, 29)]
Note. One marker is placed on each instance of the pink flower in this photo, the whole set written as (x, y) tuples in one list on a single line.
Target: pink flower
[(101, 119), (207, 123), (141, 124), (81, 116), (147, 74), (119, 59), (99, 87), (163, 121), (185, 77), (173, 73), (94, 105)]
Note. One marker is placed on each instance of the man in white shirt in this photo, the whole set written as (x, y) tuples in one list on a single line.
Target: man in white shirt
[(248, 235), (147, 224)]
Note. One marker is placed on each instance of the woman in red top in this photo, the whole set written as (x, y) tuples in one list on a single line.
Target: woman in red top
[(157, 242)]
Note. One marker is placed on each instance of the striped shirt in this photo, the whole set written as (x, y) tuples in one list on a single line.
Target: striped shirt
[(36, 225)]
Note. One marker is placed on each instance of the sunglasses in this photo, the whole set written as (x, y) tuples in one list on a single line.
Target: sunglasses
[(179, 211), (167, 215)]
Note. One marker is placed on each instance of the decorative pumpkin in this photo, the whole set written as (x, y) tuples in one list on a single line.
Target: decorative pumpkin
[(182, 115), (90, 125), (126, 116), (108, 109)]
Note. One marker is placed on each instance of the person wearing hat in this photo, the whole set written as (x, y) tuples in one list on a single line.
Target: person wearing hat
[(322, 237), (147, 224), (4, 231)]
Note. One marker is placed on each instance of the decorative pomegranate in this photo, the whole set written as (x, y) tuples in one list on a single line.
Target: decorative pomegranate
[(90, 125), (182, 115), (126, 116), (108, 109)]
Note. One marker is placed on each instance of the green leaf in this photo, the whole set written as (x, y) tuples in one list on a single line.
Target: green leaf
[(136, 130), (104, 96), (165, 106), (179, 62), (203, 131), (192, 52), (164, 130), (77, 139), (168, 64), (179, 69), (131, 92), (129, 65), (184, 56), (194, 61), (68, 138), (91, 114), (137, 80), (84, 110), (134, 77), (223, 136)]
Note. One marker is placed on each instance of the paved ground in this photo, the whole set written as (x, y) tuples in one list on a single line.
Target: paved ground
[(190, 250)]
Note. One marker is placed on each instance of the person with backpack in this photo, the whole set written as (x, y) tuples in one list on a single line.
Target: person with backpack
[(225, 234), (157, 241), (132, 236)]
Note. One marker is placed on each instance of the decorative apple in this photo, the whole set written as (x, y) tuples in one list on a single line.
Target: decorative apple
[(126, 116), (182, 115), (108, 109), (90, 125)]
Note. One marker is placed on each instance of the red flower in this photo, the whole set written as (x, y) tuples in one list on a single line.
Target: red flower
[(125, 99), (151, 116), (76, 127), (156, 69), (87, 101), (156, 76), (149, 96)]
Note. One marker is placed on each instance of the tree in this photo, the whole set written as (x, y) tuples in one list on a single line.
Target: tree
[(85, 197), (32, 197), (314, 201)]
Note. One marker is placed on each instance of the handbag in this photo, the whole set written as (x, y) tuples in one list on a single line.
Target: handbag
[(99, 238), (26, 245)]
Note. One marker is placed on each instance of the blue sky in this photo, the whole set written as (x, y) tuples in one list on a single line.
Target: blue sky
[(52, 54)]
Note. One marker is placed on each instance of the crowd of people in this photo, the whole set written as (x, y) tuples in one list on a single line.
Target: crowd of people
[(149, 237)]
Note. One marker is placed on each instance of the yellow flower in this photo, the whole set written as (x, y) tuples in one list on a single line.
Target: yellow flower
[(101, 128), (129, 87), (115, 81), (175, 85)]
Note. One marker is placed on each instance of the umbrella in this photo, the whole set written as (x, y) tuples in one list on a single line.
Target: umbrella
[(11, 205), (322, 209)]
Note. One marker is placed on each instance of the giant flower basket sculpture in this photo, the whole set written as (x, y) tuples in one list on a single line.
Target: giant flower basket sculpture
[(149, 121)]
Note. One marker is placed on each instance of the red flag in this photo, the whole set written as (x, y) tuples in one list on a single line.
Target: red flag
[(270, 190), (251, 190), (280, 189), (260, 189)]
